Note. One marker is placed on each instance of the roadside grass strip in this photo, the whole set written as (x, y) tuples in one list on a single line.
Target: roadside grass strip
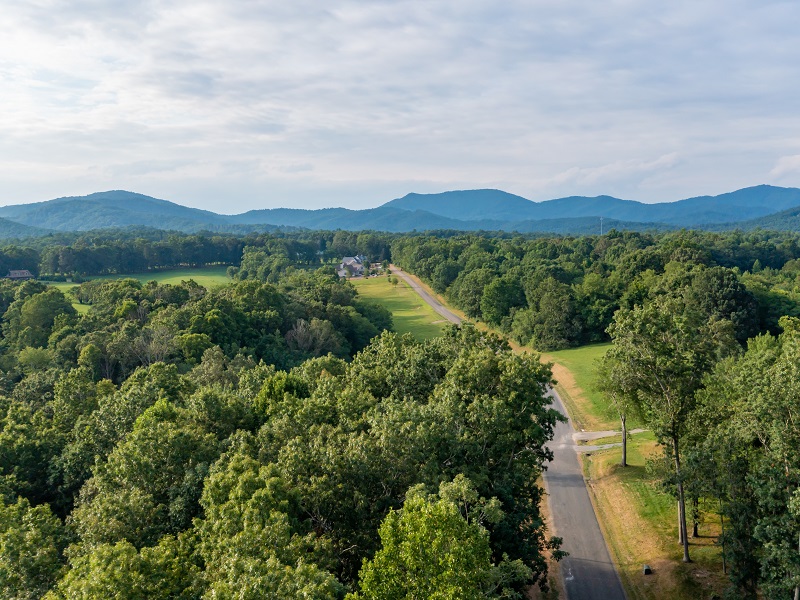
[(410, 313), (574, 371), (639, 522)]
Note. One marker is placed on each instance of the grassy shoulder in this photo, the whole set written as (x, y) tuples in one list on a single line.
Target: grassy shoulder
[(409, 312), (639, 518), (573, 369)]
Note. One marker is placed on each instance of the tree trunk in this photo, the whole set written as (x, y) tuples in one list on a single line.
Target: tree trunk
[(722, 531), (681, 503), (797, 587), (624, 420), (695, 517)]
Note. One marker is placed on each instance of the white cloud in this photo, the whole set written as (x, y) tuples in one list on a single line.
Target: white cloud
[(366, 101), (786, 165)]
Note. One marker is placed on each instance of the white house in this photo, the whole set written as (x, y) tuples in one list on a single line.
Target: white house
[(352, 266)]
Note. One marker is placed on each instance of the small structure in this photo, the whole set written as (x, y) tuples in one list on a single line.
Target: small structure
[(19, 275), (352, 266)]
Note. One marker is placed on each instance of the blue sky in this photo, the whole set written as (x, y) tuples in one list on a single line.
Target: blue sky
[(231, 106)]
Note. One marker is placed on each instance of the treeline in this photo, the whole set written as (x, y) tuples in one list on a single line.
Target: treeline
[(725, 410), (139, 250), (259, 439), (563, 291)]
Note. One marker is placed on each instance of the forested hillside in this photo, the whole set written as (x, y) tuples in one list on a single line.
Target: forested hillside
[(560, 292), (176, 442), (464, 210), (274, 434)]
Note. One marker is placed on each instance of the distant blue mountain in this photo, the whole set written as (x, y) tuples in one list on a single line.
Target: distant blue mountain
[(748, 203), (468, 210), (110, 209)]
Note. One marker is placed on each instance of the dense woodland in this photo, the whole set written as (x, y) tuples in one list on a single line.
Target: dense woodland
[(179, 442)]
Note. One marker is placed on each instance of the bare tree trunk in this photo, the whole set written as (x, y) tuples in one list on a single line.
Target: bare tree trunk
[(681, 503), (624, 420), (695, 517), (797, 587), (722, 528)]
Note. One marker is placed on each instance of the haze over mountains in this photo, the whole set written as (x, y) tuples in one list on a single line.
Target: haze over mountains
[(471, 210)]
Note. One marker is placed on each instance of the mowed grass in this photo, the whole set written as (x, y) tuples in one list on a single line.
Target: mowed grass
[(638, 517), (207, 277), (574, 370), (639, 521), (409, 312)]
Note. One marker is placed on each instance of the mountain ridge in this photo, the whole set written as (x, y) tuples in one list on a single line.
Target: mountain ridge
[(466, 210)]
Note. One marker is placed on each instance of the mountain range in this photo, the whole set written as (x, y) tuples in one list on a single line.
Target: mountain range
[(469, 210)]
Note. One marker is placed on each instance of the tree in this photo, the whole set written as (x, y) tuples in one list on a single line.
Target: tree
[(436, 547), (120, 571), (661, 351), (613, 380), (31, 542)]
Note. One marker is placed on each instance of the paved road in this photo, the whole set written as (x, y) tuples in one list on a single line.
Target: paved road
[(588, 571), (433, 302)]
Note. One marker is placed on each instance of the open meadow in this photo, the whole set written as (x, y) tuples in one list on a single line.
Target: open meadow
[(409, 312), (573, 369), (207, 277)]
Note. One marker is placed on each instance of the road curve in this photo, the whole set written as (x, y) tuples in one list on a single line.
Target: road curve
[(588, 571), (423, 293)]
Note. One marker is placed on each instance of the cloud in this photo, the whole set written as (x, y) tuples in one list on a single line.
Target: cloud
[(389, 96), (616, 170), (786, 165)]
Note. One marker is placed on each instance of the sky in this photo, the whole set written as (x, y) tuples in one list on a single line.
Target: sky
[(231, 106)]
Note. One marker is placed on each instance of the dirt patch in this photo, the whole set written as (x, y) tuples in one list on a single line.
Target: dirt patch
[(554, 579)]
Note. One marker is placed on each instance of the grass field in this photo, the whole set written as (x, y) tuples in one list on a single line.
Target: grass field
[(410, 313), (207, 277), (574, 371)]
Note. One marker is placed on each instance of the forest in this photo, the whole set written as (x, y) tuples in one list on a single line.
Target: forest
[(274, 433)]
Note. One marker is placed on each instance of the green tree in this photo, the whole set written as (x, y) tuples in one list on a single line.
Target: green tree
[(661, 352), (614, 381), (31, 542), (120, 571), (436, 547)]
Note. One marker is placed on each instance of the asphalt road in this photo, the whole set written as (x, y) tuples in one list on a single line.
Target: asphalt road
[(588, 571), (433, 302)]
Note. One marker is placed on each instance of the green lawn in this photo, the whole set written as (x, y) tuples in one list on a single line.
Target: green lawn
[(639, 519), (410, 313), (207, 277), (586, 405)]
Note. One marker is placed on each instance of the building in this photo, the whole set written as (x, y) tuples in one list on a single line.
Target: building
[(352, 266), (19, 275)]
